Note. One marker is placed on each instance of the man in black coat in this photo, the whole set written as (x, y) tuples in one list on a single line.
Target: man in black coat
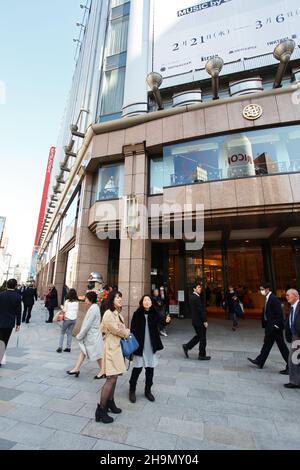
[(29, 295), (10, 312), (273, 323), (292, 332), (199, 321)]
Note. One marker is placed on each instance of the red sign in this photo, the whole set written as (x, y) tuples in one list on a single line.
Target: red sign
[(45, 194)]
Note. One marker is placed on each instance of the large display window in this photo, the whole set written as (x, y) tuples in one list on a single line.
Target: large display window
[(238, 155)]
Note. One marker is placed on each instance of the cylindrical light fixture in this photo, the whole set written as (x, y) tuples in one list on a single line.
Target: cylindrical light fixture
[(283, 53), (154, 80), (213, 67)]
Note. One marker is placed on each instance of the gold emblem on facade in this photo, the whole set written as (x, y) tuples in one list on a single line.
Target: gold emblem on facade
[(252, 112)]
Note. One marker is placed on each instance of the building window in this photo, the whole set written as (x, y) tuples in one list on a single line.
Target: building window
[(113, 91), (69, 222), (113, 74), (71, 268), (110, 184), (156, 175), (239, 155)]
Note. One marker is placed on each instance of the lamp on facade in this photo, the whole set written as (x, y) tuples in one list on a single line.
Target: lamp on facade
[(60, 180), (75, 131), (131, 212), (77, 40), (213, 67), (283, 53), (154, 81), (84, 6), (80, 25), (64, 167)]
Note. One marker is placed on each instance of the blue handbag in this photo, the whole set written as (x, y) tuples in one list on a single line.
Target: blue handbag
[(129, 345)]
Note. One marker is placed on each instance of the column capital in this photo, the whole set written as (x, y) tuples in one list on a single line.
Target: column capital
[(136, 149)]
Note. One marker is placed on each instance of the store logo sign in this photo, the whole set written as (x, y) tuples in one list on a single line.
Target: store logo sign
[(241, 157), (201, 7), (252, 112)]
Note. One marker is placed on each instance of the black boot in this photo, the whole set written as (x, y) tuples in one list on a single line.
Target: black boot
[(111, 406), (148, 394), (101, 415), (132, 396)]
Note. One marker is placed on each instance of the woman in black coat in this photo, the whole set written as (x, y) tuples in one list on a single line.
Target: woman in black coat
[(145, 327), (51, 302)]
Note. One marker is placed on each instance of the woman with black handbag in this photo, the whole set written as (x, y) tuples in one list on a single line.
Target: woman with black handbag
[(145, 327)]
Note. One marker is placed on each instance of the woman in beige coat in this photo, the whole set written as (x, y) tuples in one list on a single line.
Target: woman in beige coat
[(113, 364)]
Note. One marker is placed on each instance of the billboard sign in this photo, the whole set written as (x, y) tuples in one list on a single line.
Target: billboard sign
[(187, 33)]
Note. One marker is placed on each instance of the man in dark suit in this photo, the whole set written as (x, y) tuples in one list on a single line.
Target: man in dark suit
[(199, 321), (10, 312), (29, 295), (273, 322), (292, 331)]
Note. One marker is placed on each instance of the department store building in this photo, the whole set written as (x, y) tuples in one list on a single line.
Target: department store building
[(224, 134)]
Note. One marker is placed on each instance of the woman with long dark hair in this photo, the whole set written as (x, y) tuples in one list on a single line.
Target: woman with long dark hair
[(70, 310), (145, 325), (113, 364)]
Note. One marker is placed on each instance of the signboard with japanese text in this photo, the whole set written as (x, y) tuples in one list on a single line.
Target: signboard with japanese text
[(187, 33)]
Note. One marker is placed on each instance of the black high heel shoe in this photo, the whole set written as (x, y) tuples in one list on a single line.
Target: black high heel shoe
[(73, 373), (103, 376)]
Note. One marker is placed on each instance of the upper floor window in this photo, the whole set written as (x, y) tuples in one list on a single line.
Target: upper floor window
[(260, 152), (110, 182)]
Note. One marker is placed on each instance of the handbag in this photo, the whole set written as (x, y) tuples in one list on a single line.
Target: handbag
[(129, 345), (59, 316)]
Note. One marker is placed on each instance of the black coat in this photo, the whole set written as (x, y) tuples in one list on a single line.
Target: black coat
[(288, 332), (10, 309), (29, 295), (51, 299), (273, 313), (197, 310), (138, 325)]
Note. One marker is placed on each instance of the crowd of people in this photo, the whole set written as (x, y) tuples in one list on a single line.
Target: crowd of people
[(103, 327)]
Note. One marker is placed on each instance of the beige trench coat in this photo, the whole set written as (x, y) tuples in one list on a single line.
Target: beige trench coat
[(113, 329)]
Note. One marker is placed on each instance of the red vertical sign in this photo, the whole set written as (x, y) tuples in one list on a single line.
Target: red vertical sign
[(45, 194)]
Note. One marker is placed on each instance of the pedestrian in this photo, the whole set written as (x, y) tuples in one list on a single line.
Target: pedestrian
[(10, 312), (199, 322), (70, 310), (89, 337), (51, 302), (273, 323), (113, 327), (160, 305), (29, 296), (145, 327), (232, 303), (293, 337)]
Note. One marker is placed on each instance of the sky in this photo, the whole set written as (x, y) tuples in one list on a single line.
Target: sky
[(36, 68)]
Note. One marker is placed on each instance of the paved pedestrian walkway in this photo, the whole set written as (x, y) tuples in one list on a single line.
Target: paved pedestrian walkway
[(225, 403)]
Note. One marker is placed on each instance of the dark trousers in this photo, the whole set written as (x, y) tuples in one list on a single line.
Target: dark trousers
[(27, 313), (51, 314), (199, 338), (136, 371), (272, 336), (5, 335)]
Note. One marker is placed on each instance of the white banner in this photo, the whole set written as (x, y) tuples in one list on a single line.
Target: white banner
[(187, 33)]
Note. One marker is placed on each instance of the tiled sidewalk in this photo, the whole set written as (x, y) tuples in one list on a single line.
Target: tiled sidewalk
[(222, 404)]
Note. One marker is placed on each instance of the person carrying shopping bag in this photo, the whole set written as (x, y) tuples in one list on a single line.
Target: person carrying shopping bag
[(70, 310)]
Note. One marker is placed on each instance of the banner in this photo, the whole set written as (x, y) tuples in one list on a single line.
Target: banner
[(187, 33)]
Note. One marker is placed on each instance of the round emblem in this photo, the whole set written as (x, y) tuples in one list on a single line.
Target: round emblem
[(252, 112)]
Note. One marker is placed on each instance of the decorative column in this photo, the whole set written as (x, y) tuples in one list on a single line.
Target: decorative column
[(135, 254), (135, 91), (92, 253)]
